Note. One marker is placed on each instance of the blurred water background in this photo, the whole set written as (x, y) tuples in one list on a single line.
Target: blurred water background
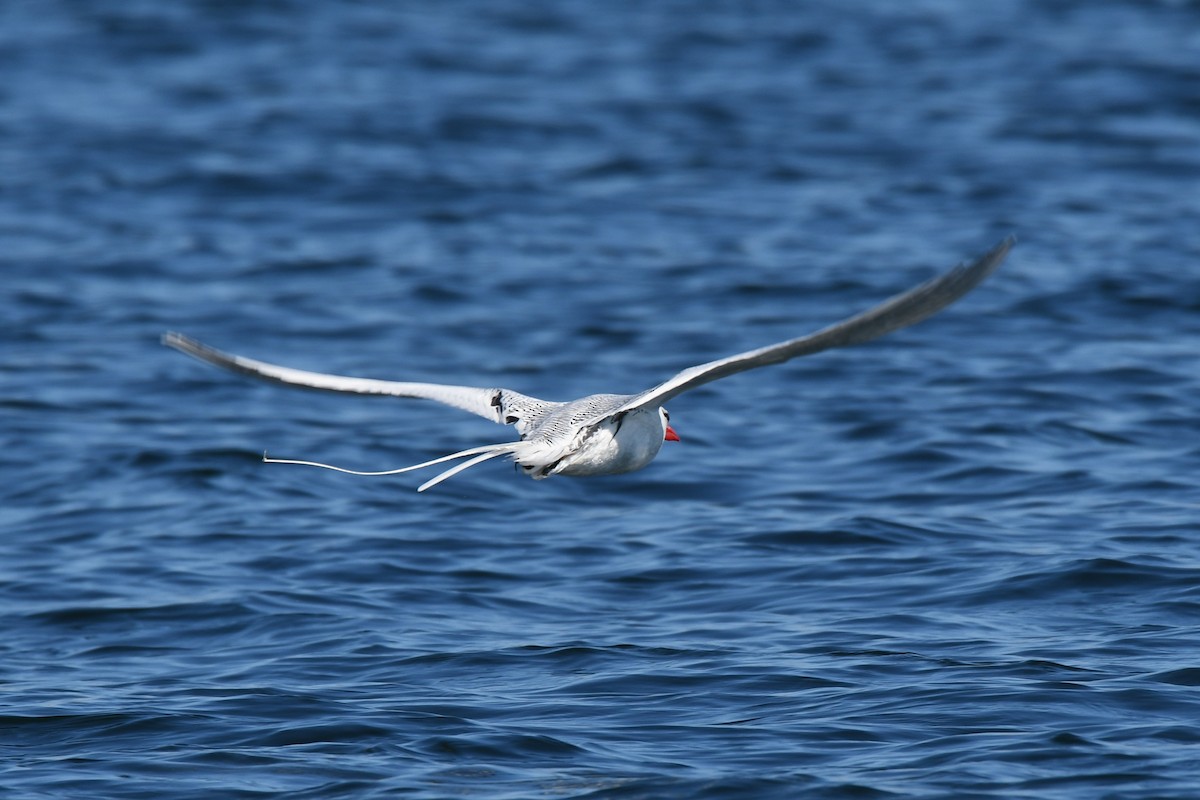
[(960, 562)]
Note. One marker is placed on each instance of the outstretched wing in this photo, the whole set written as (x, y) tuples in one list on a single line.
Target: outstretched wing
[(498, 405), (904, 309)]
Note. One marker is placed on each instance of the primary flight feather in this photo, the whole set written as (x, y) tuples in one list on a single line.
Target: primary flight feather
[(604, 434)]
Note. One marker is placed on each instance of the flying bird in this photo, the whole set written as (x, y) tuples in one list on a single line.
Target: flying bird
[(605, 434)]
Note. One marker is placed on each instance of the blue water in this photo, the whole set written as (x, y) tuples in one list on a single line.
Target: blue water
[(961, 562)]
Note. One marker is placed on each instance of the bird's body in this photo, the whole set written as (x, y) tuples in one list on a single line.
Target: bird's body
[(605, 434), (616, 444)]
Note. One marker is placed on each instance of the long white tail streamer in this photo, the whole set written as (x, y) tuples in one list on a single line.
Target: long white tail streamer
[(481, 454), (457, 468)]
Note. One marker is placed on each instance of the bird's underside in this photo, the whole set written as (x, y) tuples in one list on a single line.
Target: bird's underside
[(605, 433)]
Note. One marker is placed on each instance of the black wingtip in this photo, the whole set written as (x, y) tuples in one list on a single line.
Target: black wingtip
[(1006, 244), (975, 270)]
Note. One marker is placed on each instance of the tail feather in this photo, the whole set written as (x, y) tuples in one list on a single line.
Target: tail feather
[(457, 468), (480, 454)]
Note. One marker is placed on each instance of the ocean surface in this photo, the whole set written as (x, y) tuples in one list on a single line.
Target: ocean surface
[(959, 562)]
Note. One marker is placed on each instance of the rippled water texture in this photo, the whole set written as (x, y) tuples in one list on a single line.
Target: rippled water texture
[(960, 562)]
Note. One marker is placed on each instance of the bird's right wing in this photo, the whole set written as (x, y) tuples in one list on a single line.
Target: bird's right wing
[(499, 405), (900, 311)]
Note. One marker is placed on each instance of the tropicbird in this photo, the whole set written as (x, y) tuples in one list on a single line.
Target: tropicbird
[(605, 434)]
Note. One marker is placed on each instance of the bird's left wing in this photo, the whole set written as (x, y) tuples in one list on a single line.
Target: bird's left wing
[(900, 311), (498, 405)]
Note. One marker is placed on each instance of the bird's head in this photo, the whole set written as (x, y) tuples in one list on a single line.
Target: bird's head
[(669, 434)]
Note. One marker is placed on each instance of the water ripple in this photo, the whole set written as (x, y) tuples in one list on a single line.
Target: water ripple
[(956, 563)]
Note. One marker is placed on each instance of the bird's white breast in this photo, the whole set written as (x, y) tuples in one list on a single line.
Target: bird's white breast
[(614, 447)]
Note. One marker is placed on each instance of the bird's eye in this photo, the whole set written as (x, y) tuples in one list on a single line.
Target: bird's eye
[(666, 415)]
